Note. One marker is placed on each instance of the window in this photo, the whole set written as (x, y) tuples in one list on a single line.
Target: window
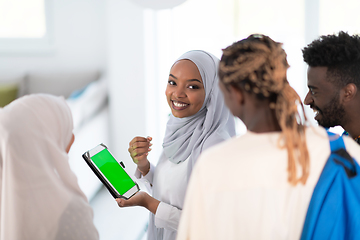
[(24, 26)]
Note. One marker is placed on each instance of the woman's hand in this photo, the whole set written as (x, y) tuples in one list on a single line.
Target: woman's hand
[(139, 148), (140, 199)]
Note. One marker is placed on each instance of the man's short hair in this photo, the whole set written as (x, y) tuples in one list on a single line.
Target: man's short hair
[(340, 53)]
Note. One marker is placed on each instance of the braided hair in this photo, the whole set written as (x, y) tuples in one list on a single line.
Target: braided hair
[(258, 65)]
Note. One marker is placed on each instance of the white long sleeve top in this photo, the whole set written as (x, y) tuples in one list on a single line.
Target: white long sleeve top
[(167, 182), (239, 189)]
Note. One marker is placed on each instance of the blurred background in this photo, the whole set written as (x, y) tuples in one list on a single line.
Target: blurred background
[(111, 58)]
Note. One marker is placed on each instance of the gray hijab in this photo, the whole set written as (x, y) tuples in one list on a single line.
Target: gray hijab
[(187, 137)]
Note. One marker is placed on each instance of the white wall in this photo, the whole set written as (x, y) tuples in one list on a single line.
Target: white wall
[(126, 76), (125, 72), (79, 40)]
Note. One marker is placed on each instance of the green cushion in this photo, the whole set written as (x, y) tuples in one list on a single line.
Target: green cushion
[(8, 93)]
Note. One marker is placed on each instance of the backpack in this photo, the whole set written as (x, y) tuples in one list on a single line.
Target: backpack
[(334, 209)]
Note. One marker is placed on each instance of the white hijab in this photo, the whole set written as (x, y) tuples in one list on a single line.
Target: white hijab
[(40, 197), (188, 137)]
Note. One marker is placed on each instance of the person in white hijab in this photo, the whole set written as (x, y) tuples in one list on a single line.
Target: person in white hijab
[(40, 197), (198, 121)]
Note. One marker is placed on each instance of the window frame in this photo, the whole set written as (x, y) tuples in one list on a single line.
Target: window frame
[(25, 46)]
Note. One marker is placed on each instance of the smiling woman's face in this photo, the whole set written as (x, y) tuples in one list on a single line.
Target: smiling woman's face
[(185, 90)]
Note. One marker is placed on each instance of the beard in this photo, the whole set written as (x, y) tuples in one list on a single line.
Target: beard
[(332, 114)]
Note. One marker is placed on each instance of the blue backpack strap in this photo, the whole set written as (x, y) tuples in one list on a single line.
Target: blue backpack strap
[(342, 157), (333, 212), (336, 142)]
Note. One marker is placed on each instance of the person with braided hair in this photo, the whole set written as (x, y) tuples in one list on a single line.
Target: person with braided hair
[(258, 185), (334, 81)]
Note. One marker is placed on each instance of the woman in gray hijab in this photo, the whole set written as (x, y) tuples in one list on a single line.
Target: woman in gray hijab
[(198, 121)]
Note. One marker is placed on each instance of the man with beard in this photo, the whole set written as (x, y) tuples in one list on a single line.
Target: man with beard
[(334, 81)]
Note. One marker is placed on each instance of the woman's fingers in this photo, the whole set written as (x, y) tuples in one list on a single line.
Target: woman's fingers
[(140, 145), (136, 200), (121, 202), (133, 145), (139, 139), (138, 151)]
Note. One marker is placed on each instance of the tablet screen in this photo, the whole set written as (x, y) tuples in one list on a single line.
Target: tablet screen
[(112, 171)]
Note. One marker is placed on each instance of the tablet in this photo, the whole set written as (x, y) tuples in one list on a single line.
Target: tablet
[(110, 172)]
